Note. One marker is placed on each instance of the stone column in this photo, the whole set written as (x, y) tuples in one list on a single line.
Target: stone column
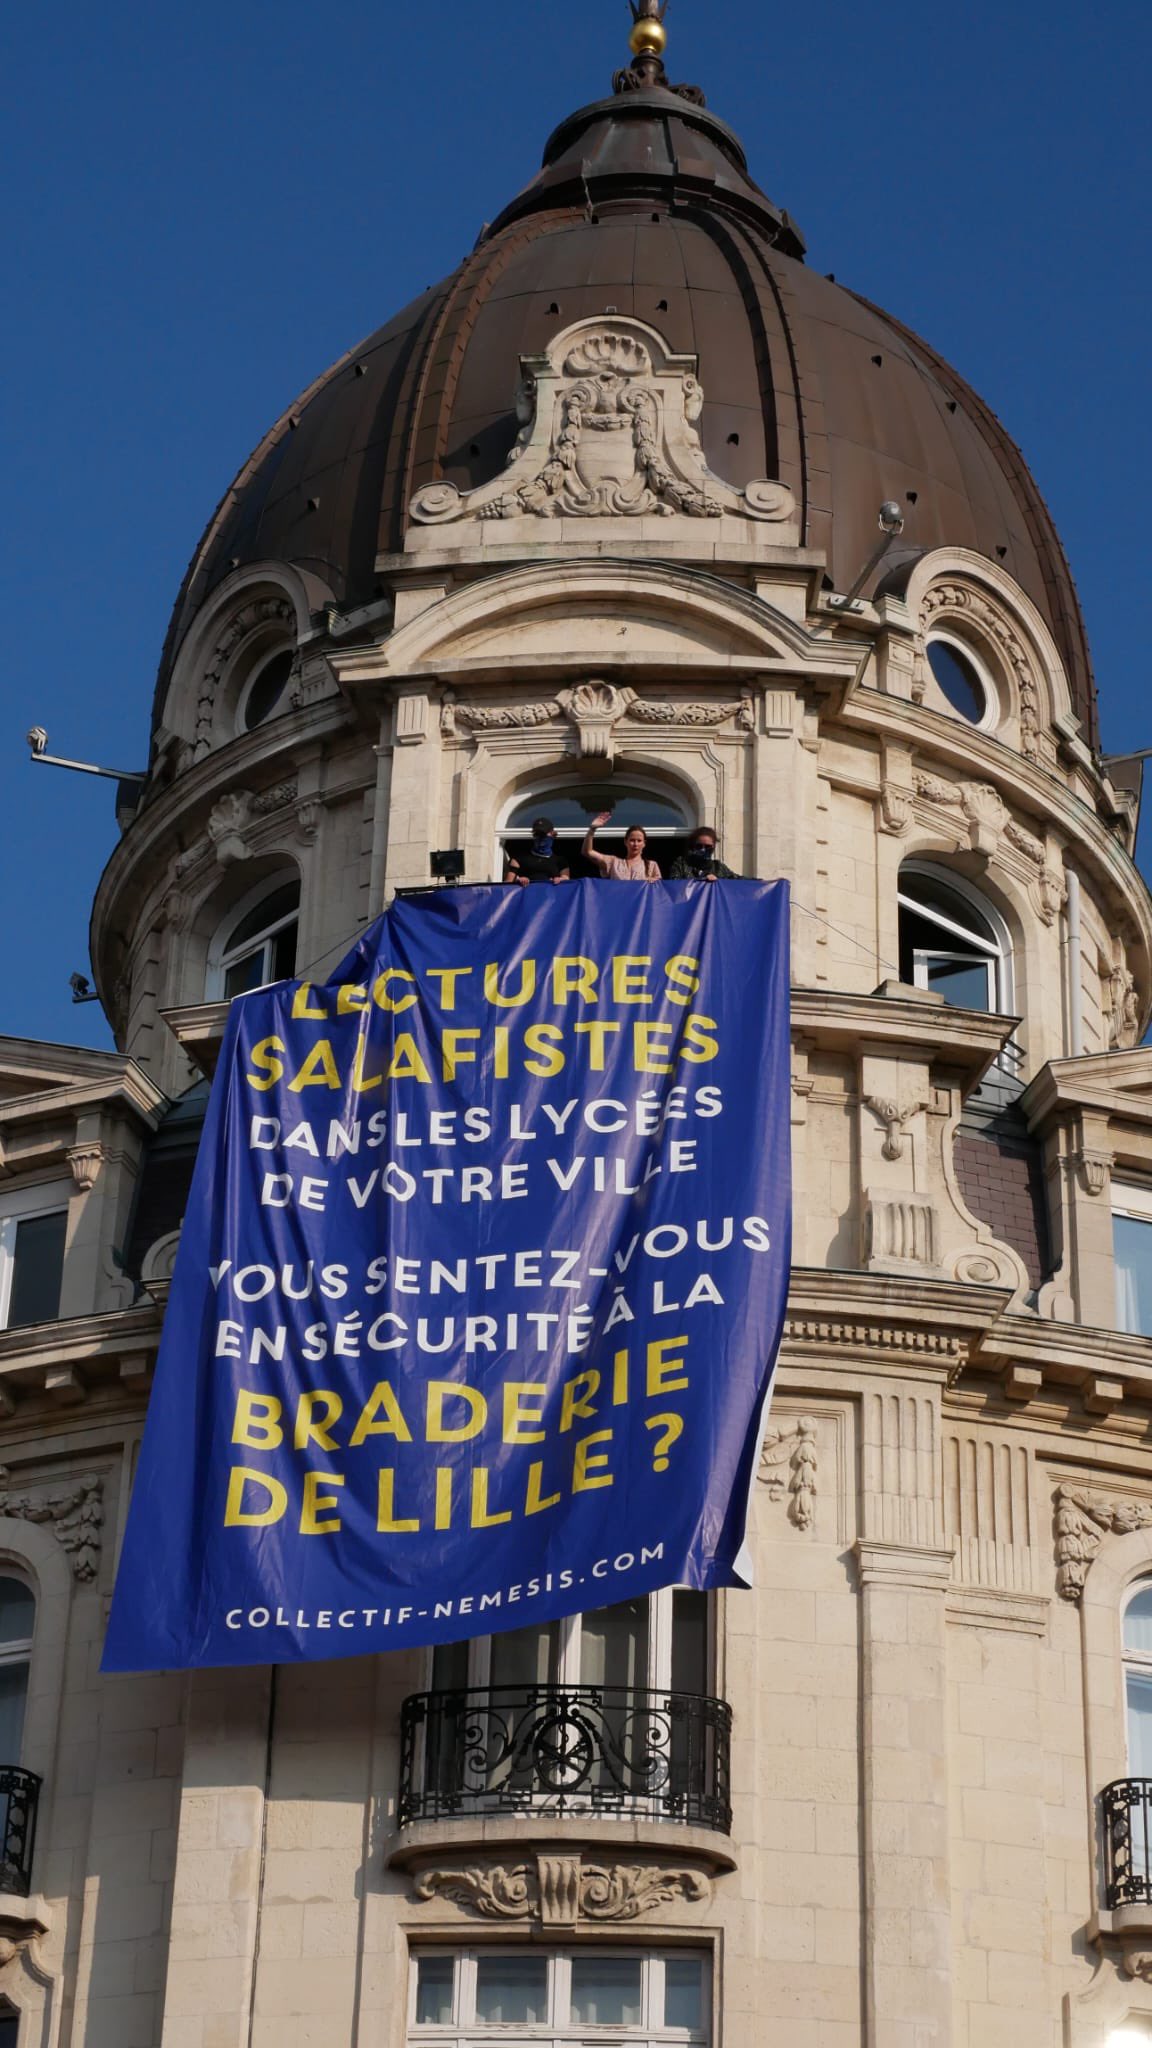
[(216, 1894), (904, 1572)]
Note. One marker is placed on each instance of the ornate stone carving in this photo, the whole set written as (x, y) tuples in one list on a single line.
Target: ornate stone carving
[(594, 709), (1094, 1169), (492, 1890), (985, 814), (558, 1878), (796, 1449), (623, 1891), (228, 820), (308, 816), (895, 809), (260, 612), (85, 1162), (608, 430), (900, 1229), (560, 1890), (1124, 1007), (1083, 1519), (76, 1516), (896, 1117), (231, 817), (956, 599)]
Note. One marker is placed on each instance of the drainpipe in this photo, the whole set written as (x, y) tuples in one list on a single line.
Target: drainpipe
[(1075, 991)]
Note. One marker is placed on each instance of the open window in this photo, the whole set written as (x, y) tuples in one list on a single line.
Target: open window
[(257, 942), (951, 940), (665, 820), (33, 1230), (1132, 1252)]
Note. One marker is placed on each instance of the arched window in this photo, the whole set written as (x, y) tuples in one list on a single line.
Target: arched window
[(17, 1621), (264, 692), (664, 818), (951, 941), (1137, 1639), (257, 943)]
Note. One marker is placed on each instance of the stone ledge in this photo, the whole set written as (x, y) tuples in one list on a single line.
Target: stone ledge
[(540, 1833)]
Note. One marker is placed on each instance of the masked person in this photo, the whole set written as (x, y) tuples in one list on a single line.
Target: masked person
[(541, 862), (699, 862), (635, 866)]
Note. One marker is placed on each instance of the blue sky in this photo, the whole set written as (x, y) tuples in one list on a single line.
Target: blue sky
[(205, 207)]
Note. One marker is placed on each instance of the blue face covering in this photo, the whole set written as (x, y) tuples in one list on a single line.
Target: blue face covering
[(543, 847)]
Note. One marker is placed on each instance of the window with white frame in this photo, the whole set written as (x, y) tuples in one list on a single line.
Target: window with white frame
[(658, 1644), (1132, 1252), (605, 1679), (642, 1997), (951, 940), (257, 943), (33, 1229), (17, 1621)]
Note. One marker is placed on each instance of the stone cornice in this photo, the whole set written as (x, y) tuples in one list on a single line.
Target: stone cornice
[(66, 1361), (130, 1088), (1065, 1355), (1114, 1084)]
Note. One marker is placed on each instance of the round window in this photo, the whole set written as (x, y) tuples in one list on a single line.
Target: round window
[(267, 688), (959, 679)]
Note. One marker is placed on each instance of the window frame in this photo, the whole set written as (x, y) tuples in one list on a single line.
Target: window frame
[(1134, 1203), (18, 1654), (221, 956), (658, 1675), (989, 718), (22, 1205), (464, 2030), (1135, 1662), (259, 663), (571, 837), (998, 951)]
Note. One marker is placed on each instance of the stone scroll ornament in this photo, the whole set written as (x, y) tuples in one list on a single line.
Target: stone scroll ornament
[(607, 430)]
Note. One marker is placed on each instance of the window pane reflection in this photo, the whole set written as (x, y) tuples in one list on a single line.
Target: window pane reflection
[(684, 1992), (606, 1991), (511, 1990), (434, 1991), (1132, 1242)]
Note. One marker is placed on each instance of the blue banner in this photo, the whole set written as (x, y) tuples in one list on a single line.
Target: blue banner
[(481, 1281)]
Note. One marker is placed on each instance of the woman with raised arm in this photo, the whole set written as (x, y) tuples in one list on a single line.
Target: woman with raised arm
[(634, 867)]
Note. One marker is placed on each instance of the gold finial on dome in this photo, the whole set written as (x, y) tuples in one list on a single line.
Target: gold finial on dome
[(649, 36), (648, 41)]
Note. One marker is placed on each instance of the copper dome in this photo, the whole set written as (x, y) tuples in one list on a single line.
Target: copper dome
[(644, 205)]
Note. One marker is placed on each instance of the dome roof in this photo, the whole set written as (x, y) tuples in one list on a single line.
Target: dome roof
[(644, 206)]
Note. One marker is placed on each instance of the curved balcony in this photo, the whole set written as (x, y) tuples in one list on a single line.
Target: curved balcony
[(1126, 1807), (564, 1752), (19, 1799)]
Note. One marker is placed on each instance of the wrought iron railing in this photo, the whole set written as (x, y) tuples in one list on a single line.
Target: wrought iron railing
[(566, 1749), (1127, 1812), (19, 1799)]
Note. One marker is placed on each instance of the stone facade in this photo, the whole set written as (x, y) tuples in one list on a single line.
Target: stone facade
[(956, 1489)]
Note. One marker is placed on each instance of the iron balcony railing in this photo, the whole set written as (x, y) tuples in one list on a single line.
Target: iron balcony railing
[(19, 1799), (566, 1749), (1127, 1812)]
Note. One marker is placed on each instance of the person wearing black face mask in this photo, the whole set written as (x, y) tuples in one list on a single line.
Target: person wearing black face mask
[(541, 862), (699, 861)]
